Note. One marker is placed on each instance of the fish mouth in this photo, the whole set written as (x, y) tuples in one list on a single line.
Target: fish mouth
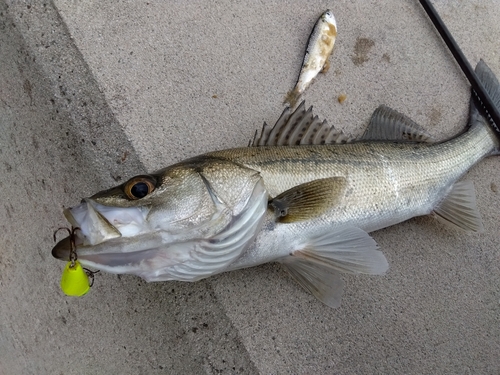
[(97, 224)]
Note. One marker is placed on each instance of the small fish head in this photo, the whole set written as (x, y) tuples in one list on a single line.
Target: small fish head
[(329, 18)]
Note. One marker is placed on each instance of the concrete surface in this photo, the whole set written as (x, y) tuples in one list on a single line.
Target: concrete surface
[(92, 93)]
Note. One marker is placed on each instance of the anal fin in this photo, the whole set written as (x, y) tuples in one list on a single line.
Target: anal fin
[(316, 265), (459, 209)]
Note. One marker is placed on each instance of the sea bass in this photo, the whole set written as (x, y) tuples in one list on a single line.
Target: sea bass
[(303, 195), (319, 49)]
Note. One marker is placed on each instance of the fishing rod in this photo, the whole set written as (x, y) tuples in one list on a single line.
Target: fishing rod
[(486, 105)]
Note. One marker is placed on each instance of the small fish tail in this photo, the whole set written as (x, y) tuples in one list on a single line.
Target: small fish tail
[(292, 97)]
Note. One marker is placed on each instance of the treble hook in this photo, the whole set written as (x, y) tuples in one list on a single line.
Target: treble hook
[(72, 241), (90, 274)]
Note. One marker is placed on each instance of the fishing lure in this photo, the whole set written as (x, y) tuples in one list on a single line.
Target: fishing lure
[(76, 280)]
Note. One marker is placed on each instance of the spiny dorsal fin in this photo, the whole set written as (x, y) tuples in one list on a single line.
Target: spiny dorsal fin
[(459, 209), (308, 200), (300, 127), (386, 124)]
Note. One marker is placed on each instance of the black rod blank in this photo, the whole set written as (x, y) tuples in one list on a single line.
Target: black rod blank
[(486, 105)]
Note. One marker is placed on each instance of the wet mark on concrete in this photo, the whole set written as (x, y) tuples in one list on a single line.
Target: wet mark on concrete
[(494, 187), (36, 144), (7, 166), (435, 116), (28, 89), (9, 208), (361, 50)]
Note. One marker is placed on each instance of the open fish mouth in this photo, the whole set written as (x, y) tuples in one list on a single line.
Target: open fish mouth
[(98, 223)]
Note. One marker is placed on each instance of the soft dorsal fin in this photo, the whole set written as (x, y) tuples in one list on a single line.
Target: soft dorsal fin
[(299, 127), (386, 124), (308, 200)]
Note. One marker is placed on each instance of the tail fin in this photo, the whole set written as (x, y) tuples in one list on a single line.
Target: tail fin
[(492, 86), (292, 97)]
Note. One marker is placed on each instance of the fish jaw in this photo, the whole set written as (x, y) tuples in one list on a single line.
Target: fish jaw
[(99, 223)]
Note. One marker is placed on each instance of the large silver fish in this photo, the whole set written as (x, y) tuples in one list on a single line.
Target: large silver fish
[(302, 195)]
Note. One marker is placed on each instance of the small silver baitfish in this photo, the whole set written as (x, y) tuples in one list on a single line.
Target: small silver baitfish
[(302, 195), (319, 48)]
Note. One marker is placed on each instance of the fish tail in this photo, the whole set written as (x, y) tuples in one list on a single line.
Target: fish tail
[(458, 209), (492, 86), (292, 97)]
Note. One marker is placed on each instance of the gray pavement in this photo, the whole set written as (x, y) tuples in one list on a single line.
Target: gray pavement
[(92, 93)]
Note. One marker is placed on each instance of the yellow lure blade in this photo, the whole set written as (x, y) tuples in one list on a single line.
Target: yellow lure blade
[(74, 280)]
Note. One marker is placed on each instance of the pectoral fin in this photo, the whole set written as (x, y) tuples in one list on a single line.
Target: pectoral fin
[(459, 209), (308, 200), (316, 264)]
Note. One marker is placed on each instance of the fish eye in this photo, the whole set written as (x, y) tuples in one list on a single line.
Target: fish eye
[(140, 186)]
